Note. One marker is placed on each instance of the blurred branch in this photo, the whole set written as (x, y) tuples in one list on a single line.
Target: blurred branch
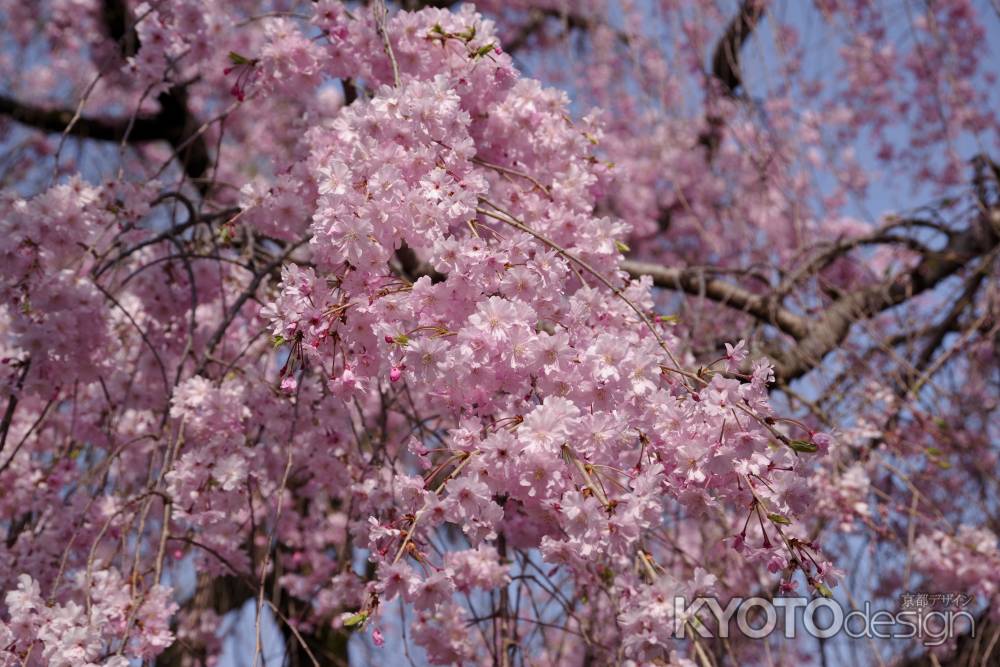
[(115, 14), (726, 68), (726, 58), (972, 649), (145, 128), (174, 123)]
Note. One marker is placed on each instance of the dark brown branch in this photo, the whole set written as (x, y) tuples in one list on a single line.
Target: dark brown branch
[(174, 123), (695, 282), (816, 336), (182, 132), (8, 415), (829, 329), (415, 5), (350, 91), (145, 128), (726, 59), (413, 268), (115, 15), (726, 67)]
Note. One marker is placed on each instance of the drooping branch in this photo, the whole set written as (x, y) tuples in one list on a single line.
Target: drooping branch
[(975, 647), (947, 325)]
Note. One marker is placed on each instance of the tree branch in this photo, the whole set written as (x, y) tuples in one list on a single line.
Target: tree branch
[(726, 68), (726, 59), (694, 282), (972, 649), (829, 329), (144, 129), (115, 14), (174, 123), (817, 336)]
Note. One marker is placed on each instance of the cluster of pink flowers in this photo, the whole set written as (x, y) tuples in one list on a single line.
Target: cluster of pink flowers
[(382, 356), (568, 427), (108, 631), (965, 561), (56, 315)]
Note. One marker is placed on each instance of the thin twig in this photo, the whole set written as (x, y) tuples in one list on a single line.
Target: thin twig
[(413, 526), (380, 13)]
